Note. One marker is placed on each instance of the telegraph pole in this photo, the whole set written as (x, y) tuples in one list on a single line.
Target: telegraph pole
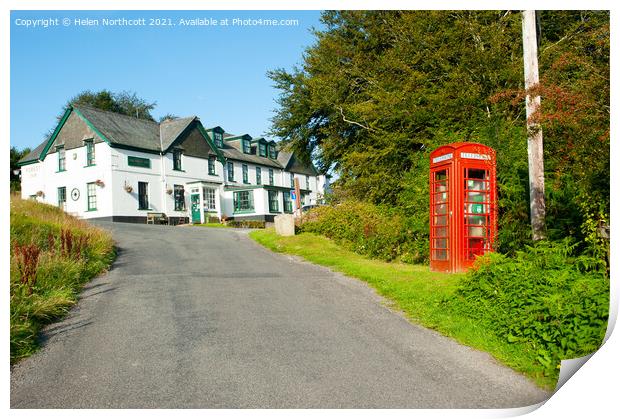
[(534, 130)]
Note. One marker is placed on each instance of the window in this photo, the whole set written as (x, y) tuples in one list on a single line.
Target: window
[(307, 182), (211, 165), (288, 203), (61, 159), (259, 176), (179, 198), (176, 160), (143, 195), (138, 162), (247, 149), (91, 196), (262, 149), (231, 171), (219, 139), (208, 197), (272, 151), (90, 152), (292, 176), (273, 201), (62, 198), (243, 202), (245, 173), (271, 176)]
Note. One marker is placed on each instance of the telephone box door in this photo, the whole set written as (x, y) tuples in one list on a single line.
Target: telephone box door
[(441, 246)]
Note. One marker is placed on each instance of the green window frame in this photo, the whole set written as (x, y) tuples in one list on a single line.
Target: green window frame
[(176, 160), (143, 195), (271, 177), (247, 148), (272, 152), (243, 201), (179, 198), (259, 176), (273, 201), (62, 161), (288, 202), (230, 169), (90, 152), (262, 149), (91, 196), (307, 182), (211, 165), (62, 197), (292, 177), (218, 138), (244, 170), (208, 198)]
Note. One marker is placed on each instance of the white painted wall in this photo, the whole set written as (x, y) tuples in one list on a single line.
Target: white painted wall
[(44, 176)]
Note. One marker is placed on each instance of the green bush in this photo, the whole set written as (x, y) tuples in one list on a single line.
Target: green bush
[(367, 229), (545, 297)]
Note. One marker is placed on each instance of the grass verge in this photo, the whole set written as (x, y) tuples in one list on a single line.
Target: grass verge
[(52, 256), (423, 296), (212, 225)]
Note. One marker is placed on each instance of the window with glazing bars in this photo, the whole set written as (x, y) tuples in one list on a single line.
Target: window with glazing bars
[(179, 198), (273, 201), (244, 169), (242, 201), (211, 165), (230, 168), (90, 153), (91, 196), (271, 176), (61, 159), (62, 197), (259, 179), (208, 196)]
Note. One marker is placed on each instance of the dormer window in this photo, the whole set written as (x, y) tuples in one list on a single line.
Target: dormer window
[(176, 160), (218, 137), (262, 149), (247, 149), (272, 151)]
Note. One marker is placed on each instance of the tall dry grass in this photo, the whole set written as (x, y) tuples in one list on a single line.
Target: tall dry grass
[(52, 256)]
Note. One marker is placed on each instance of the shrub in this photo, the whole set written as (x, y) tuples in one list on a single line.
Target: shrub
[(374, 231), (246, 224), (545, 297)]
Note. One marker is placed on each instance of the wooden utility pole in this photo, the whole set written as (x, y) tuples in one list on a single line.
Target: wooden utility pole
[(297, 197), (534, 130)]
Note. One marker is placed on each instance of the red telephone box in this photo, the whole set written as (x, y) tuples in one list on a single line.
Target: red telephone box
[(463, 218)]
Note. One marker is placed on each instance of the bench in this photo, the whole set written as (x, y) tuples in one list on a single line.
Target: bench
[(156, 218)]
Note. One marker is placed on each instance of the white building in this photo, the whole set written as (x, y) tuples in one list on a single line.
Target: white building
[(104, 165)]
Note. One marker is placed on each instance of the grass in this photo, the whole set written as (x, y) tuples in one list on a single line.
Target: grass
[(212, 225), (52, 256), (423, 296)]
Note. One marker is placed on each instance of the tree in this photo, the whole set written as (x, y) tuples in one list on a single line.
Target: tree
[(16, 155), (126, 103), (380, 89)]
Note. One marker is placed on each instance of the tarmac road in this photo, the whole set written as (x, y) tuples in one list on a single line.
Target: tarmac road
[(193, 317)]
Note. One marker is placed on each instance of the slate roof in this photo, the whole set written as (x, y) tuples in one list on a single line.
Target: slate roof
[(123, 130)]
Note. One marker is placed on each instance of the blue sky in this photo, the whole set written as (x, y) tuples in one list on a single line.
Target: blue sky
[(215, 72)]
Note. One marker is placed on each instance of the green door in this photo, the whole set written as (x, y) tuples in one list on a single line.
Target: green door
[(195, 198)]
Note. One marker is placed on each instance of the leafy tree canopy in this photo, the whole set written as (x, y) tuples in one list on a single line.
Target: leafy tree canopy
[(379, 90), (125, 102)]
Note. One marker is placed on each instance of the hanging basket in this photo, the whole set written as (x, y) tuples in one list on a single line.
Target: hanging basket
[(99, 183)]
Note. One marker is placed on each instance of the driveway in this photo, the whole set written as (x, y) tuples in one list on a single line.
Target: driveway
[(206, 318)]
